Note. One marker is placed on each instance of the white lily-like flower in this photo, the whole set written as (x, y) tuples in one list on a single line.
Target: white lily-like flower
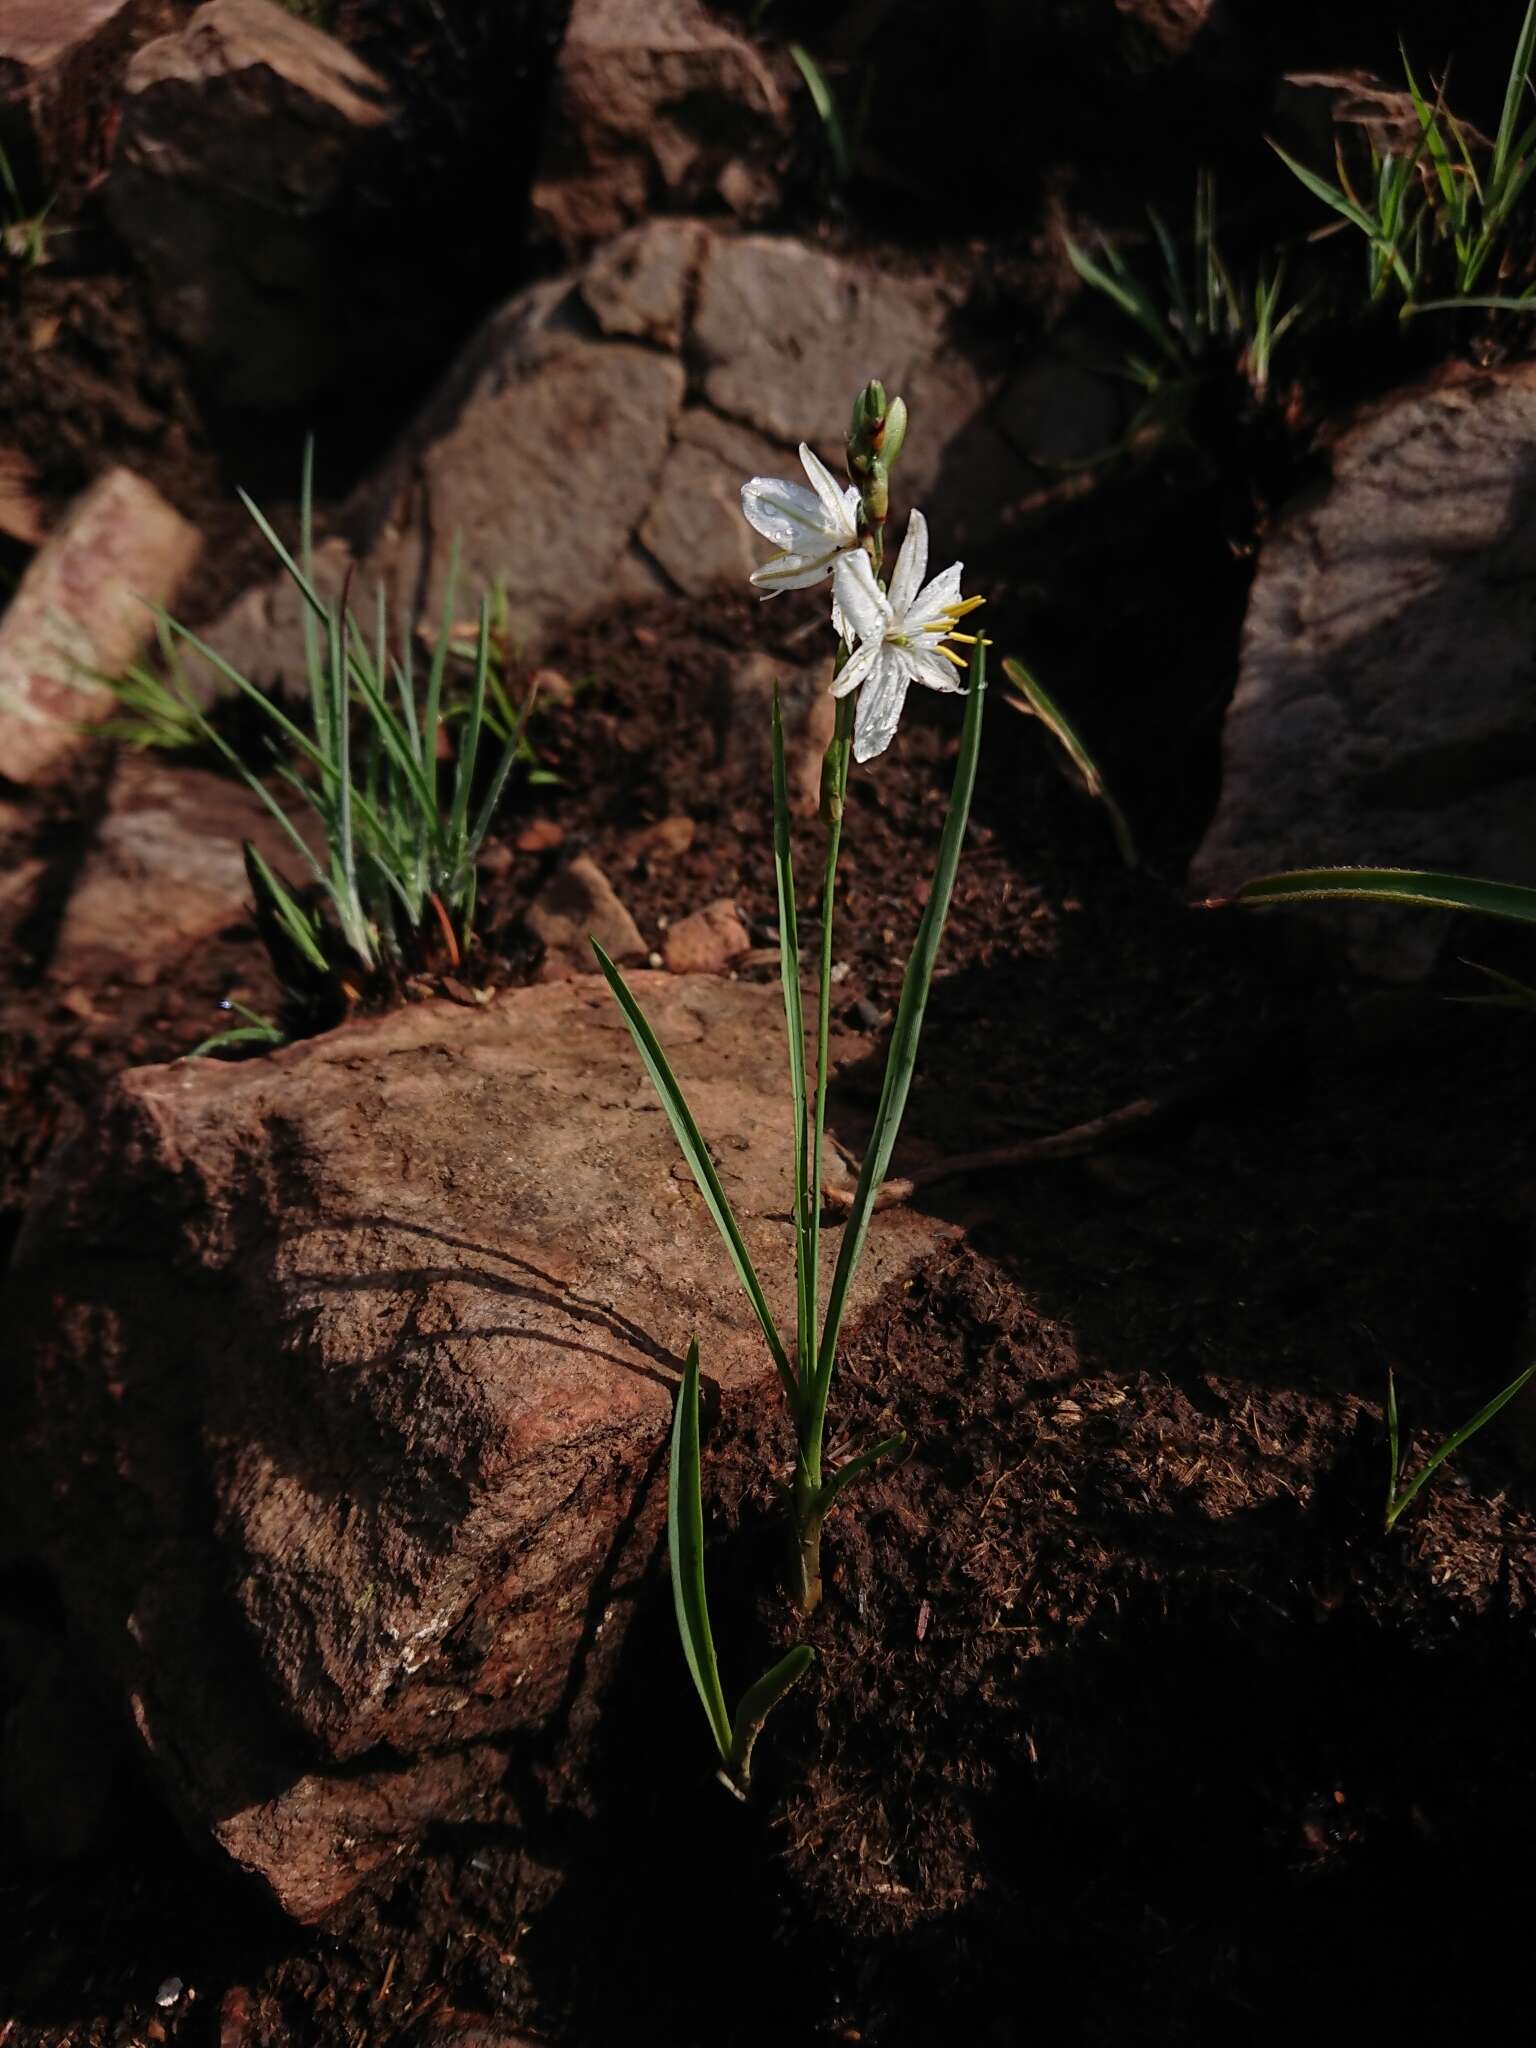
[(902, 635), (810, 528)]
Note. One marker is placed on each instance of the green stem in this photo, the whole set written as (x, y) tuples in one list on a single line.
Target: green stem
[(836, 778)]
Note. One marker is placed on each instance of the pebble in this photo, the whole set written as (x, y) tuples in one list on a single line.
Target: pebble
[(707, 941), (169, 1993)]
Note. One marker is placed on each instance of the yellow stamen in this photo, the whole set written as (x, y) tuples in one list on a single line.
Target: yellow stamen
[(963, 605), (949, 654), (965, 639)]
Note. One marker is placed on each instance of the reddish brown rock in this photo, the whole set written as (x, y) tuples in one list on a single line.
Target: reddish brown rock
[(707, 940), (654, 100), (349, 1374), (242, 136), (83, 607), (165, 871), (61, 63), (578, 905)]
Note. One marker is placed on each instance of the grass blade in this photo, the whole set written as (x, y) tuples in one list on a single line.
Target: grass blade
[(1118, 285), (1452, 1444), (695, 1151), (685, 1546), (856, 1467), (1038, 703), (825, 103), (1394, 885), (757, 1703), (1514, 93)]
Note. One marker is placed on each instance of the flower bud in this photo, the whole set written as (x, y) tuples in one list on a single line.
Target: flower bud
[(866, 429), (895, 431)]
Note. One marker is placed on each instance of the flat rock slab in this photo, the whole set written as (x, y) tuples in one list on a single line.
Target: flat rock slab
[(1385, 713), (165, 871), (351, 1371)]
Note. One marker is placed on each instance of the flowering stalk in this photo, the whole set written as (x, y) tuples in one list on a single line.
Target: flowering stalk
[(890, 636)]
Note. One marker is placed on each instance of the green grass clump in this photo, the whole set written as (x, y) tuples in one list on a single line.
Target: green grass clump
[(1439, 220), (399, 828)]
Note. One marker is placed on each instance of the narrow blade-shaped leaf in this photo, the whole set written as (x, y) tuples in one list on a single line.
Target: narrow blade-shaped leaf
[(1453, 1443), (294, 922), (1414, 886), (685, 1546), (855, 1468), (1040, 704), (696, 1152), (1514, 94), (758, 1702)]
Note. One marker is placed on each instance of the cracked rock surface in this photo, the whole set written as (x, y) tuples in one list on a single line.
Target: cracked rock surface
[(591, 442)]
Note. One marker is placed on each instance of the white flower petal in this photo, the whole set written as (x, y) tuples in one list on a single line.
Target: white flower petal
[(791, 572), (911, 565), (859, 598), (880, 702), (931, 668), (782, 512), (930, 606), (833, 499), (857, 667)]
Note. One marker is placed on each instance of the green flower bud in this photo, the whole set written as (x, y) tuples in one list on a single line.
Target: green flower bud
[(866, 428), (895, 431)]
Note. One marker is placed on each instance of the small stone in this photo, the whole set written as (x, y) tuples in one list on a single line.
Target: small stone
[(664, 841), (551, 687), (707, 941), (540, 835), (578, 905), (169, 1993), (165, 872)]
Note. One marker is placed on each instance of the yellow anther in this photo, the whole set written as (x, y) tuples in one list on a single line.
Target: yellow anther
[(949, 654)]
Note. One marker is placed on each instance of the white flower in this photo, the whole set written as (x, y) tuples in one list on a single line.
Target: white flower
[(901, 636), (810, 528)]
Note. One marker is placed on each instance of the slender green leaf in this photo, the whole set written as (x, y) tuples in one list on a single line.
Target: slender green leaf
[(696, 1152), (1394, 885), (758, 1702), (1118, 285), (685, 1546), (825, 103), (1399, 1500), (1040, 704), (298, 927), (1514, 94), (855, 1468)]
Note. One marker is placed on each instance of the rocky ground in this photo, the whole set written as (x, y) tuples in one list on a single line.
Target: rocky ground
[(340, 1689)]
